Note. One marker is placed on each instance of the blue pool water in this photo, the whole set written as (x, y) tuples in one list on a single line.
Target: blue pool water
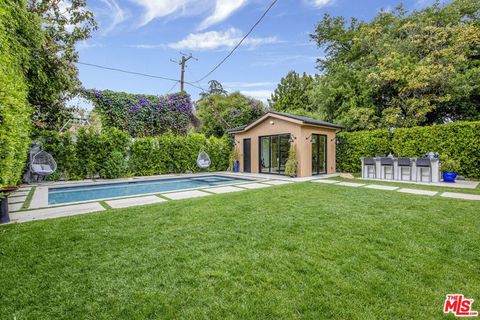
[(132, 188)]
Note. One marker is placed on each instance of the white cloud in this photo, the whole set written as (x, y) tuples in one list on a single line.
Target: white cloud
[(223, 9), (160, 8), (319, 3), (217, 39), (115, 14), (262, 95)]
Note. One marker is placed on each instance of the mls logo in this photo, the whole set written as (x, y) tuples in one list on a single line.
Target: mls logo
[(459, 306)]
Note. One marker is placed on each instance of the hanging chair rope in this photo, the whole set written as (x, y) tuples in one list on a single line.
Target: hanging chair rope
[(203, 160)]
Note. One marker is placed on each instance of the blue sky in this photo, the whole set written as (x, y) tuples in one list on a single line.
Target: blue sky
[(143, 35)]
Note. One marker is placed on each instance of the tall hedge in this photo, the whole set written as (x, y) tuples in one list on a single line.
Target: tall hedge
[(354, 145), (17, 32), (171, 153), (459, 141), (113, 153)]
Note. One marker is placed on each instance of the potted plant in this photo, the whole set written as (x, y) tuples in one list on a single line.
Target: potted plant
[(234, 163), (4, 193), (292, 162), (449, 170)]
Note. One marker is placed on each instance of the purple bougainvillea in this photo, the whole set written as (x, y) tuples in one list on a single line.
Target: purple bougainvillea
[(143, 115)]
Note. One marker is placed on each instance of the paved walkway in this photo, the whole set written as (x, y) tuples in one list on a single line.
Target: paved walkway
[(17, 199), (463, 196), (18, 216)]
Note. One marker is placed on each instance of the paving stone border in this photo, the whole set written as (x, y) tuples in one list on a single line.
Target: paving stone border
[(76, 209), (422, 192)]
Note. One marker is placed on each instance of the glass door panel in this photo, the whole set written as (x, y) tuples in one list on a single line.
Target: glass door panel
[(265, 154), (322, 154), (284, 148), (274, 154), (315, 168), (319, 154)]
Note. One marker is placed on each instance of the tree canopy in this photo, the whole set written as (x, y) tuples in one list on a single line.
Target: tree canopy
[(292, 93), (53, 75), (219, 112), (400, 69)]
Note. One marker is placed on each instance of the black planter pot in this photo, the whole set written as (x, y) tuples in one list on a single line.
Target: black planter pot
[(4, 193), (4, 217)]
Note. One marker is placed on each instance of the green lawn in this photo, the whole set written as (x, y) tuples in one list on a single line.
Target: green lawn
[(297, 251)]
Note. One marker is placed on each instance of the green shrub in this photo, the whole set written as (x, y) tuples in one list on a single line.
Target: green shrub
[(171, 153), (15, 122), (115, 166), (449, 165), (354, 145), (292, 162), (63, 149), (459, 141)]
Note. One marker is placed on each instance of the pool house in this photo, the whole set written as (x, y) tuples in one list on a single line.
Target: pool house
[(264, 144)]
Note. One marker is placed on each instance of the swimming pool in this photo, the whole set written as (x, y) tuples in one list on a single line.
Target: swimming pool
[(132, 188)]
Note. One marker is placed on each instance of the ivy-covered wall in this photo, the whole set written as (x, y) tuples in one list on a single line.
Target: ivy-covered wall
[(15, 111), (459, 141), (143, 115), (113, 153)]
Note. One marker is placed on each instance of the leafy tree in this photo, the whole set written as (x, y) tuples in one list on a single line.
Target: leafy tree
[(292, 93), (215, 87), (218, 113), (401, 69), (53, 76)]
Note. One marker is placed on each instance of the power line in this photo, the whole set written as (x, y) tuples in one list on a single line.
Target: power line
[(129, 72), (173, 87), (240, 43), (140, 74)]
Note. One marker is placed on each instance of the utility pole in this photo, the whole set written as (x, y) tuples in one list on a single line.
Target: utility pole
[(182, 63)]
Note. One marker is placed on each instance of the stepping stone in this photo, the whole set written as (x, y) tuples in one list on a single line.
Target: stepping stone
[(463, 196), (14, 199), (325, 181), (276, 182), (224, 189), (350, 184), (254, 186), (418, 192), (185, 195), (56, 212), (380, 187), (27, 189), (20, 193), (15, 206), (132, 202)]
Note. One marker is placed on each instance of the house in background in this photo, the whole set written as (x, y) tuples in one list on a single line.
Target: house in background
[(264, 144)]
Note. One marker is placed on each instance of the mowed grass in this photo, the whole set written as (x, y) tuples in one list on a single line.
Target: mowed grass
[(306, 251)]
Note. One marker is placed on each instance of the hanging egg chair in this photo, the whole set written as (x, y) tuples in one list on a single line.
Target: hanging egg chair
[(43, 164), (203, 160)]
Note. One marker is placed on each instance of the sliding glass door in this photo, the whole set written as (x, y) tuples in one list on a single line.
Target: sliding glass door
[(274, 153), (319, 154)]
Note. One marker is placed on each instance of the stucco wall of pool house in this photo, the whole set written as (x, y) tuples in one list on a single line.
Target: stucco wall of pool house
[(301, 136)]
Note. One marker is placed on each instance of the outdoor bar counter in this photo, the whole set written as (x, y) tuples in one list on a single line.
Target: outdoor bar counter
[(401, 169)]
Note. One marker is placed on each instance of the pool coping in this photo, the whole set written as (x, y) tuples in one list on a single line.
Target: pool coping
[(40, 195)]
